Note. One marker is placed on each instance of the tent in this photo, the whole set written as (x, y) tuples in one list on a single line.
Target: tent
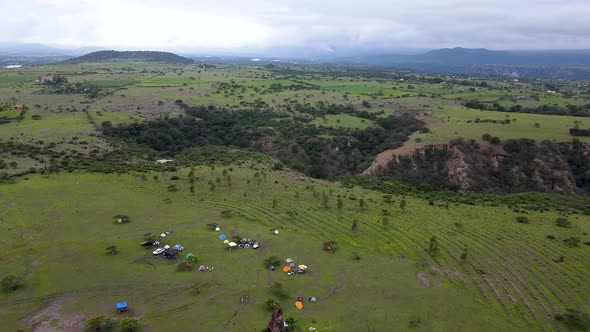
[(217, 229), (223, 237), (288, 260), (166, 247), (272, 267), (302, 268), (286, 269), (202, 268), (312, 299), (292, 265), (189, 256), (178, 247), (232, 244), (163, 235), (226, 241), (299, 305), (121, 307), (276, 231)]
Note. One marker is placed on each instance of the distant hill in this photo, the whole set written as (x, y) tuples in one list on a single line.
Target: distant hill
[(525, 64), (150, 56)]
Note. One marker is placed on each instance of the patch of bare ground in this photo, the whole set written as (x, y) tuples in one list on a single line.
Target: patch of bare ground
[(52, 319), (383, 158), (423, 280)]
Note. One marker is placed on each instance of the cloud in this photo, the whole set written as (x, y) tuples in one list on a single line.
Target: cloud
[(320, 24)]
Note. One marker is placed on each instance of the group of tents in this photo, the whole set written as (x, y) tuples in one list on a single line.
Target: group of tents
[(291, 267)]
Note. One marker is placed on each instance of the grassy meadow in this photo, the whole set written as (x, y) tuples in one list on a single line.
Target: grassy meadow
[(59, 245)]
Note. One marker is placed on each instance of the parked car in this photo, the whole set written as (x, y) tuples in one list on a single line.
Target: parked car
[(147, 243), (158, 251)]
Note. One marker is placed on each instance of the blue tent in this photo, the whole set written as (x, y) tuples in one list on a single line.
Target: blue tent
[(178, 247), (223, 237), (122, 306)]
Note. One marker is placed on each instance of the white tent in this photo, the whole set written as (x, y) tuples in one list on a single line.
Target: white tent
[(163, 235), (217, 229), (288, 260), (232, 244)]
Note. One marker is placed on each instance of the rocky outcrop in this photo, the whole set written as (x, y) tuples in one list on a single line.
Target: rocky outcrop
[(276, 323), (517, 166)]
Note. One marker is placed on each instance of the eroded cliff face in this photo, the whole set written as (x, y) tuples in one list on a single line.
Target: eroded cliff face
[(517, 166)]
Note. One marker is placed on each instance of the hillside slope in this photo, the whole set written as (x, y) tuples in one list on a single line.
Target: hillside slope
[(519, 166), (150, 56)]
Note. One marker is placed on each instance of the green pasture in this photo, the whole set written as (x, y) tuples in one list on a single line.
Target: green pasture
[(454, 123), (343, 120), (67, 223)]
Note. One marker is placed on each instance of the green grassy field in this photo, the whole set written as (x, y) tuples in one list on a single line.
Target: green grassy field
[(59, 226), (343, 120), (453, 122)]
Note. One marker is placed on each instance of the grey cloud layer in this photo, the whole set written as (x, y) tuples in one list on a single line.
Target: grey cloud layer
[(233, 24)]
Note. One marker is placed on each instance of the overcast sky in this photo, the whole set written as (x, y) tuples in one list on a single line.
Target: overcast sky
[(317, 24)]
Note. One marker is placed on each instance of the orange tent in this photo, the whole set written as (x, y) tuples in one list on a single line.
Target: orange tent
[(299, 305), (286, 269)]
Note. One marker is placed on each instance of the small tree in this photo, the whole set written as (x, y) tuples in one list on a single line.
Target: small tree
[(362, 203), (402, 204), (563, 222), (269, 304), (464, 256), (11, 283), (272, 260), (355, 225), (339, 204), (292, 322), (522, 219), (112, 249), (98, 322), (129, 324), (433, 246)]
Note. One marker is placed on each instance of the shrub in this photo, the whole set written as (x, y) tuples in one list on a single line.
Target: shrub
[(522, 219), (495, 140), (269, 304), (122, 219), (279, 291), (551, 237), (272, 260), (98, 322), (11, 283), (574, 319), (129, 324), (563, 222), (572, 241)]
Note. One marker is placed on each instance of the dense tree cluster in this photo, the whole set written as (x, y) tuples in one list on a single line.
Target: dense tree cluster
[(318, 151), (572, 110)]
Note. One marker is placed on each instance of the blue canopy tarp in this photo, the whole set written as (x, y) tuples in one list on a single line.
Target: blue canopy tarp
[(178, 247), (121, 305), (223, 237)]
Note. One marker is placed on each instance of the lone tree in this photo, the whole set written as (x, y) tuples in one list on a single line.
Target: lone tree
[(355, 225), (402, 204), (11, 283), (339, 204), (362, 203), (433, 247), (112, 249), (129, 324), (98, 322)]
